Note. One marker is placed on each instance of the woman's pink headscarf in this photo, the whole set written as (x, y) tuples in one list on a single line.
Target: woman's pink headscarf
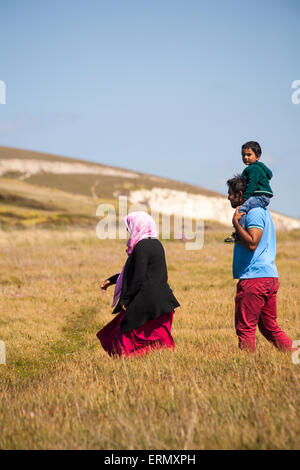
[(140, 225)]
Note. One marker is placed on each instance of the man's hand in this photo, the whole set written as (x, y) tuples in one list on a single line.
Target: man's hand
[(237, 215), (123, 307), (250, 238)]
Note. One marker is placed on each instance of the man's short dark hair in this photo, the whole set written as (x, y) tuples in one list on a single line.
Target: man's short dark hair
[(237, 184), (254, 146)]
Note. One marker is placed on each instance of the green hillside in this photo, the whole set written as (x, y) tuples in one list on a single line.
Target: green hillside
[(104, 186), (58, 200)]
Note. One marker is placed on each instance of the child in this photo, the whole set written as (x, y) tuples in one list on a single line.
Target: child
[(257, 175)]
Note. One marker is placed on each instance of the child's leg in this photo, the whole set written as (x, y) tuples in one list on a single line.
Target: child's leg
[(245, 207), (263, 201), (251, 203), (242, 220), (254, 201)]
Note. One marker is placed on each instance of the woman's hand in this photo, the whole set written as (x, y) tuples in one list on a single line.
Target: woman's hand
[(105, 284), (123, 307)]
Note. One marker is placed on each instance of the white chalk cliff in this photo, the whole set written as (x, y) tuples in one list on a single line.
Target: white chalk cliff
[(181, 203), (32, 167)]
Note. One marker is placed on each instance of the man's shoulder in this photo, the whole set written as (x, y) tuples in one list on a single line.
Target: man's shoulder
[(258, 210), (256, 217)]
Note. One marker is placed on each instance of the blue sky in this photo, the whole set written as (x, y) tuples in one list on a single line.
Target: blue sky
[(166, 87)]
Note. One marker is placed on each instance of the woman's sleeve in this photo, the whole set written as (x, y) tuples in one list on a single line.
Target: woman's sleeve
[(139, 263), (113, 279)]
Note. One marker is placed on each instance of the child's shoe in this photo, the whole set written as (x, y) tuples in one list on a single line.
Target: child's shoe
[(231, 239)]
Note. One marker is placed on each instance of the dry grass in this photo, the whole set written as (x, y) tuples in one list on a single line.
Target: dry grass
[(59, 389)]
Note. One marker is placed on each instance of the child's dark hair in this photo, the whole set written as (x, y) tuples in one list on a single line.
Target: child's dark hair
[(254, 146)]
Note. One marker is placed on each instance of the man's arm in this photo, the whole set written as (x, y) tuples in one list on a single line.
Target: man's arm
[(250, 238)]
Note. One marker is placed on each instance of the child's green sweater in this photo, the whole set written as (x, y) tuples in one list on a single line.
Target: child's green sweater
[(257, 176)]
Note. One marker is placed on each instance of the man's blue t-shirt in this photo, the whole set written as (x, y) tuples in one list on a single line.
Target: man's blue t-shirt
[(261, 262)]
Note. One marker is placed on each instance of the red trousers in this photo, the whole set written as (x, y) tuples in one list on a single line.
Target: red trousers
[(255, 304)]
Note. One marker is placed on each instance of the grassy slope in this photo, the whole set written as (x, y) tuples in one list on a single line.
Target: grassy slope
[(106, 185), (60, 390), (54, 200), (26, 205)]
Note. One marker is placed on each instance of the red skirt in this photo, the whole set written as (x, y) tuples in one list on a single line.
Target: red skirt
[(155, 334)]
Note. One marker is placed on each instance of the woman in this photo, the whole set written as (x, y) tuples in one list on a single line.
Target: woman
[(144, 301)]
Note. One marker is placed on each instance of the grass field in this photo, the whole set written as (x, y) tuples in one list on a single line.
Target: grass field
[(59, 389)]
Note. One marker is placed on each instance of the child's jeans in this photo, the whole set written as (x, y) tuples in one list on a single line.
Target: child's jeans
[(251, 203)]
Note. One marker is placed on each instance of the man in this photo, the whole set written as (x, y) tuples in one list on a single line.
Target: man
[(254, 266)]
